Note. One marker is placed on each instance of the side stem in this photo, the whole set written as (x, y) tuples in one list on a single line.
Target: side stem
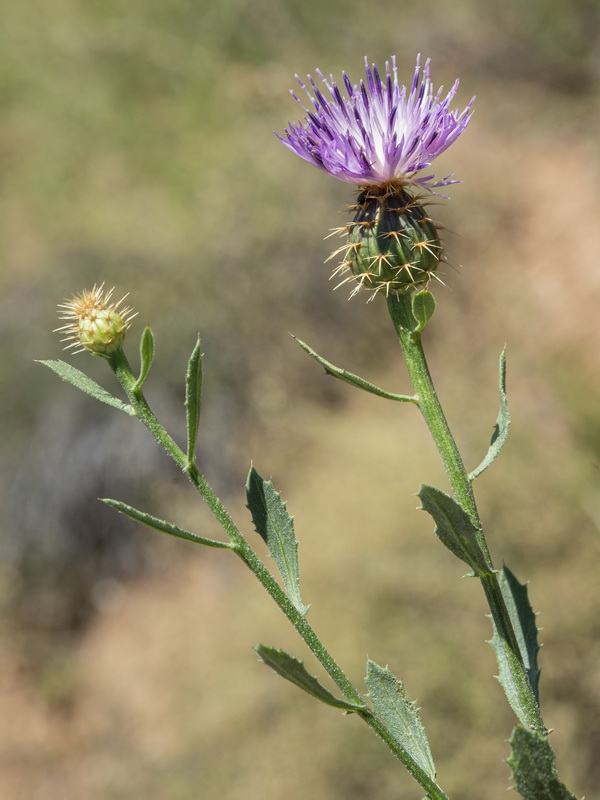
[(120, 365)]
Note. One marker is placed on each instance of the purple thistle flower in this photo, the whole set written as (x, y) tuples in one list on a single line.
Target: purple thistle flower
[(381, 133)]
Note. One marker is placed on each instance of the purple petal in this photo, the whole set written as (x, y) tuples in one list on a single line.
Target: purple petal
[(381, 132)]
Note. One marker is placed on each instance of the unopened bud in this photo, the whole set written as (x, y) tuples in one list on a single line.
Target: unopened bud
[(95, 323), (392, 244)]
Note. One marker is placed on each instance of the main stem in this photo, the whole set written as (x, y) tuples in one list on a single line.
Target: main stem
[(428, 403), (120, 365)]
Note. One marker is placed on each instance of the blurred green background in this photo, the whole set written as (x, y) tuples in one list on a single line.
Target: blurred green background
[(137, 150)]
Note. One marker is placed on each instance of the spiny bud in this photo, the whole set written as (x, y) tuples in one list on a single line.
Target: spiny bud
[(392, 244), (95, 323)]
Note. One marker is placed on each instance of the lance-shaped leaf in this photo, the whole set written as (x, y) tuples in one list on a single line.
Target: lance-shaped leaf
[(511, 676), (293, 670), (532, 762), (163, 526), (276, 527), (454, 528), (523, 621), (146, 357), (422, 307), (399, 714), (79, 379), (193, 399), (354, 380), (502, 425)]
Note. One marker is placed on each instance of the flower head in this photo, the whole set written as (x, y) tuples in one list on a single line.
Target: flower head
[(95, 322), (381, 132)]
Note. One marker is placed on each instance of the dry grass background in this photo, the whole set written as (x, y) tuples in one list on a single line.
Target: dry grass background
[(138, 150)]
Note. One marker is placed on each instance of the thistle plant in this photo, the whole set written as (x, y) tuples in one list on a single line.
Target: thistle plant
[(382, 138)]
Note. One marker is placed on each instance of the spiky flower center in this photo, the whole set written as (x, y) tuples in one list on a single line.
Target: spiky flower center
[(94, 322), (392, 245)]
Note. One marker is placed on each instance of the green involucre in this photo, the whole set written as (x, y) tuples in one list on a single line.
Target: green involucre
[(392, 243)]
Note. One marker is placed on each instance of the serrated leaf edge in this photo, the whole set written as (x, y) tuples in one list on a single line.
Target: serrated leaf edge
[(416, 733), (291, 573)]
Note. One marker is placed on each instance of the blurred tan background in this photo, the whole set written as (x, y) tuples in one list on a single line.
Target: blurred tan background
[(137, 150)]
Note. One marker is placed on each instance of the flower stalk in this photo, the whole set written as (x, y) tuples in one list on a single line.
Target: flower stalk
[(381, 137), (426, 399)]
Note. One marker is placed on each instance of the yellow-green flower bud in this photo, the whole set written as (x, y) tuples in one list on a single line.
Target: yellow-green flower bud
[(392, 244), (95, 323)]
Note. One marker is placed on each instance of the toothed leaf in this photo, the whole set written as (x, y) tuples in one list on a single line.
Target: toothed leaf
[(294, 671), (276, 527), (513, 680), (400, 715), (454, 528), (532, 762), (523, 621)]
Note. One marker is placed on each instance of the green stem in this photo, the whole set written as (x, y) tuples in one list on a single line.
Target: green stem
[(308, 634), (427, 401), (120, 365)]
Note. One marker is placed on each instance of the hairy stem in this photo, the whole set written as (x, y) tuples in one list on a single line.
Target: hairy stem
[(431, 410), (120, 365)]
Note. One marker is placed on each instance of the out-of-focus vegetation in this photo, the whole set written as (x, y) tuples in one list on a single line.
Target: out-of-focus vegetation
[(137, 150)]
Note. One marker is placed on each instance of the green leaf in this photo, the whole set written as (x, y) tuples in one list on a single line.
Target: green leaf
[(422, 306), (146, 357), (532, 762), (523, 621), (293, 670), (276, 527), (502, 425), (164, 527), (79, 379), (354, 380), (193, 399), (401, 312), (399, 715), (455, 529), (513, 679)]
